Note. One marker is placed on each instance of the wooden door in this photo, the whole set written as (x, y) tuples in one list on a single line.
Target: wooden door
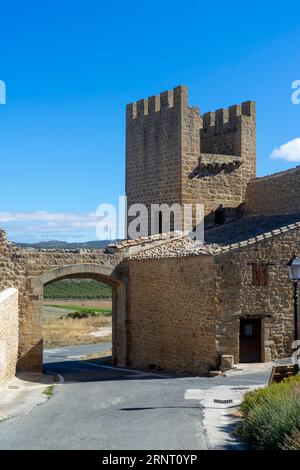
[(250, 340)]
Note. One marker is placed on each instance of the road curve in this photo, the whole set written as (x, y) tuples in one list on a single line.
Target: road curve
[(101, 407), (105, 408)]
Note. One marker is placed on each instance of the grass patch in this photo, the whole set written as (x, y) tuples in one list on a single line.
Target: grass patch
[(272, 416), (90, 310), (49, 391)]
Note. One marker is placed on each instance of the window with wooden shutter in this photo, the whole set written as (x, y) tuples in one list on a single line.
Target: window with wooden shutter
[(259, 274)]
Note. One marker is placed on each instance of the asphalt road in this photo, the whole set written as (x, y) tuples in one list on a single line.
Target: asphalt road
[(73, 352), (98, 407)]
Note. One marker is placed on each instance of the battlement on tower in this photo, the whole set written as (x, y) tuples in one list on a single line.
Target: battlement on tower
[(229, 115), (166, 100), (221, 131)]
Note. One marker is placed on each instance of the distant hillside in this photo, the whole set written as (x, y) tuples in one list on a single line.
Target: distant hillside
[(55, 244), (77, 289)]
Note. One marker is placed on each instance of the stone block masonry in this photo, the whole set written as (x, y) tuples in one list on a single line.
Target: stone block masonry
[(273, 304), (9, 319), (153, 149), (274, 194), (218, 156), (172, 313), (176, 155)]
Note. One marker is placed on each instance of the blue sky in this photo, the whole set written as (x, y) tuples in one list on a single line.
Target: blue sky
[(71, 67)]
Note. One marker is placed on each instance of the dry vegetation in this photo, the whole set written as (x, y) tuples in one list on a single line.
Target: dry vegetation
[(92, 317), (67, 331)]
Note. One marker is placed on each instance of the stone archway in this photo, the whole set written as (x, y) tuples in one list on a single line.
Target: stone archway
[(31, 355)]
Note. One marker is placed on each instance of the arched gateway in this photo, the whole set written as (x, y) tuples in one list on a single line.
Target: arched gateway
[(98, 266)]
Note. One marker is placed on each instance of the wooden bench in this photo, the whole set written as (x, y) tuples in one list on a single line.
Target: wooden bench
[(282, 372)]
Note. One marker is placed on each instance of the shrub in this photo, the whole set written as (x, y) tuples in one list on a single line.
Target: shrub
[(258, 397), (82, 314), (272, 416)]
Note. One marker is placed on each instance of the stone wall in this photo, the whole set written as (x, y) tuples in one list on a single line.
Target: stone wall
[(218, 156), (9, 319), (7, 268), (238, 298), (274, 194), (172, 317)]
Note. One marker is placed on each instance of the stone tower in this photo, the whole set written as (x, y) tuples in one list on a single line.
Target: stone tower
[(175, 155)]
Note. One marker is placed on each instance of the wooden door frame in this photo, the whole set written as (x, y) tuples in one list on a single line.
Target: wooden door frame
[(260, 349)]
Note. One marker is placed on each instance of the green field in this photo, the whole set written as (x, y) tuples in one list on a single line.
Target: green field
[(77, 289), (81, 308)]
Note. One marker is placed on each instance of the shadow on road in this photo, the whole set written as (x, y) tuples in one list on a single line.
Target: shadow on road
[(158, 408), (97, 370)]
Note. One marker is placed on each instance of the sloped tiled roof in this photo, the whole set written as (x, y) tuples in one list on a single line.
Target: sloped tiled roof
[(228, 237), (248, 227)]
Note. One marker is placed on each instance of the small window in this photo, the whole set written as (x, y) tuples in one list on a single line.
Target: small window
[(248, 329), (259, 274)]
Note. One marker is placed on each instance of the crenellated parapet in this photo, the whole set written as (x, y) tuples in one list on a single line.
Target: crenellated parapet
[(166, 100), (229, 115), (177, 97), (222, 130)]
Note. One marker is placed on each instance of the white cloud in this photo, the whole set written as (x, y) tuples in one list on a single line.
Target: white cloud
[(45, 216), (43, 225), (289, 151)]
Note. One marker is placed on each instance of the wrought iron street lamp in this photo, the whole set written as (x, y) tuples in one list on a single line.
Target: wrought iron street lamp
[(294, 275)]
